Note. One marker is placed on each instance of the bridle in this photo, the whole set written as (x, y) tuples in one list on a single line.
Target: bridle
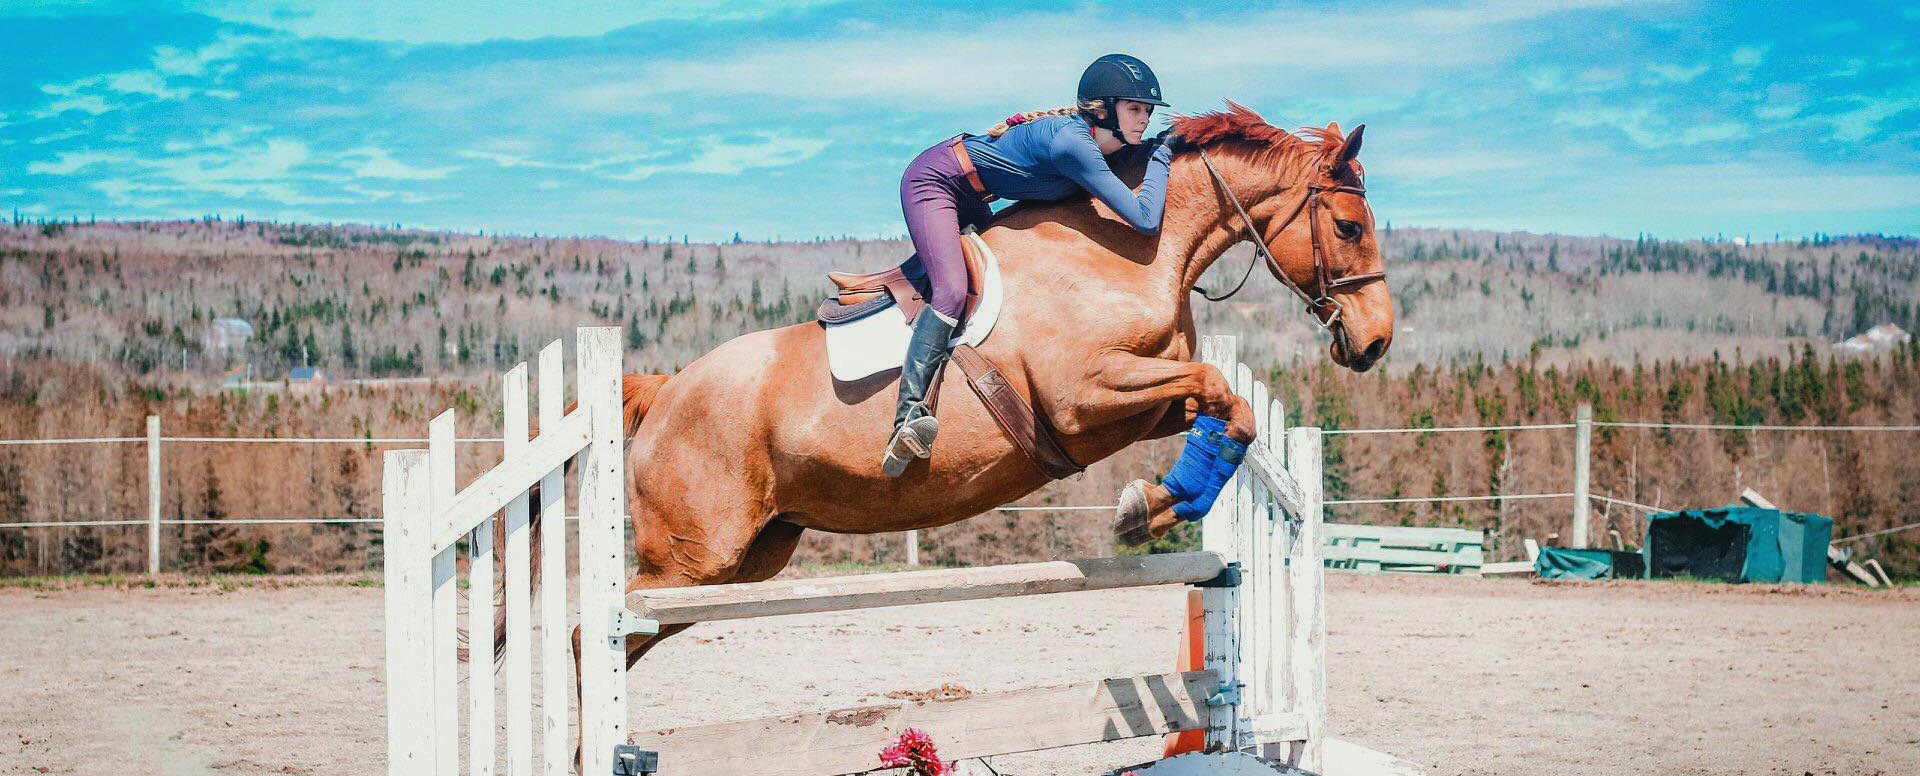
[(1327, 286)]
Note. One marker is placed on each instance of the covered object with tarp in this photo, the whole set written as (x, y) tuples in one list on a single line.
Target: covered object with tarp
[(1571, 563), (1739, 544)]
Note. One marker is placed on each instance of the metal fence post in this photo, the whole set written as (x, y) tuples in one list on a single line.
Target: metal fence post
[(1582, 461), (153, 495)]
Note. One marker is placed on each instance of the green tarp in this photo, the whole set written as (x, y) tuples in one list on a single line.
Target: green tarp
[(1569, 563), (1739, 544)]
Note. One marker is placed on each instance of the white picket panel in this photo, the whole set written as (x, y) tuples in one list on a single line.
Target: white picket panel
[(446, 604), (429, 519), (1306, 611), (555, 660), (403, 490), (517, 584), (1267, 518)]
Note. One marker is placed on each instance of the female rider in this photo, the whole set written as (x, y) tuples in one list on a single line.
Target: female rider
[(1044, 155)]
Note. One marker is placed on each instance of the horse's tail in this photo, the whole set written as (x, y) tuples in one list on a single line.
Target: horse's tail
[(636, 395), (637, 392)]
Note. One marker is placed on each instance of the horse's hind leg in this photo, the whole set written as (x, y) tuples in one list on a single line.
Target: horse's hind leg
[(687, 534), (764, 557)]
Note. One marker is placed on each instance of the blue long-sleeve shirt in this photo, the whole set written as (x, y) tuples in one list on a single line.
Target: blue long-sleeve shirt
[(1056, 157)]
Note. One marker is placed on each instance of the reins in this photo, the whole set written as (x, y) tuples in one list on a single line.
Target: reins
[(1310, 204)]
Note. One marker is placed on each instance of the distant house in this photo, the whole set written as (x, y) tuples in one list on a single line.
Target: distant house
[(307, 378), (1886, 336), (230, 332)]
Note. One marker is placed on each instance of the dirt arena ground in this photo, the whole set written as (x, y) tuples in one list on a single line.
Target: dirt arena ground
[(1463, 676)]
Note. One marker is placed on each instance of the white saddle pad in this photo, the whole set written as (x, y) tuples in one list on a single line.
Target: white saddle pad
[(878, 342)]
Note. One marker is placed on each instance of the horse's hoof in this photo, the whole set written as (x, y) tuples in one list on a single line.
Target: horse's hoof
[(1130, 518)]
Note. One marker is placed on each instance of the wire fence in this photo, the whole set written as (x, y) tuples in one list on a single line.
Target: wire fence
[(1580, 496)]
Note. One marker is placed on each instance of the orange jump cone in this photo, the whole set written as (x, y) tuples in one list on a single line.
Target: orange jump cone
[(1193, 651)]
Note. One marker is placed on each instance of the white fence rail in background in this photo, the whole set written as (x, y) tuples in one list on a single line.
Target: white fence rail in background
[(1395, 548), (427, 518), (1580, 496)]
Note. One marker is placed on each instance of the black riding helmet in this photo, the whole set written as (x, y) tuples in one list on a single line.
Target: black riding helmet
[(1116, 77)]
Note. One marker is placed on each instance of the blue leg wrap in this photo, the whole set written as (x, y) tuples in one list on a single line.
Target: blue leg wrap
[(1206, 463)]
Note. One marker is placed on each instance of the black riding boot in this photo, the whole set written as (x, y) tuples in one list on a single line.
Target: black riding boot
[(914, 426)]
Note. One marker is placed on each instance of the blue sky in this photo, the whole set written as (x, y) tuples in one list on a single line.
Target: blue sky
[(794, 119)]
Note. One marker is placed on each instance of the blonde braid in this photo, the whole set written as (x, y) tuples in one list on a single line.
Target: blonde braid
[(1021, 118)]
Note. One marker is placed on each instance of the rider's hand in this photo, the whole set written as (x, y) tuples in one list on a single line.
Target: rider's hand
[(1161, 145)]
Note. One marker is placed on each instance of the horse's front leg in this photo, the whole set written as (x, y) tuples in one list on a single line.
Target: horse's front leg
[(1125, 385)]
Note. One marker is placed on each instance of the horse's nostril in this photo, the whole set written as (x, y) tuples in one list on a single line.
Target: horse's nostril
[(1376, 350)]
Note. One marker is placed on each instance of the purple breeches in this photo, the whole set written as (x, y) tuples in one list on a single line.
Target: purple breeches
[(938, 203)]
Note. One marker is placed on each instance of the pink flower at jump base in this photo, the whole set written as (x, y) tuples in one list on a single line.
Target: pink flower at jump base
[(915, 750)]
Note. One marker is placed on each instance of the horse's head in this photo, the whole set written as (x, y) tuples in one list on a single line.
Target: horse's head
[(1306, 199)]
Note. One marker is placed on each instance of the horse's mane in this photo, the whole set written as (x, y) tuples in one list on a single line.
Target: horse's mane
[(1242, 133)]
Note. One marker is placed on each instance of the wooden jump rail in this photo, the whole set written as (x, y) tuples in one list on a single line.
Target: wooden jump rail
[(838, 594), (1261, 687)]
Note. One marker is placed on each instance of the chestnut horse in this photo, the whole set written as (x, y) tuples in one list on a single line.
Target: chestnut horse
[(734, 457)]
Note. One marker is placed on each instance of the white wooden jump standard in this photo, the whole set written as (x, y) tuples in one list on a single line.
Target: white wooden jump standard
[(1262, 687), (427, 518)]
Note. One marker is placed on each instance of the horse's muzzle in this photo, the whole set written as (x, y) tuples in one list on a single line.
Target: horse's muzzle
[(1344, 354)]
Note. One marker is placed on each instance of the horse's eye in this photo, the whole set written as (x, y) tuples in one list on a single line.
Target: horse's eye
[(1349, 230)]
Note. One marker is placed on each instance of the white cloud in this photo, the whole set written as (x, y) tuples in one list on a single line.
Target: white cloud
[(472, 21), (145, 82), (92, 94), (70, 162), (1376, 50), (1650, 128), (403, 197), (761, 150), (1860, 123), (273, 169), (1760, 196), (56, 137), (626, 161), (1748, 56), (378, 163), (86, 103), (1675, 74), (174, 61)]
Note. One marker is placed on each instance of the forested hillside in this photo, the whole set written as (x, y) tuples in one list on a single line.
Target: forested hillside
[(103, 324), (365, 302)]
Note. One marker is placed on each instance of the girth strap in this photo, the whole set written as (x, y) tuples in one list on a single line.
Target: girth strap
[(1015, 416)]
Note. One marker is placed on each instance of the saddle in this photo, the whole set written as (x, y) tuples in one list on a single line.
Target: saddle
[(853, 310), (906, 286)]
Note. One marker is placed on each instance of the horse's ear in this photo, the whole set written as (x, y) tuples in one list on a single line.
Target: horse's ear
[(1333, 128), (1351, 148)]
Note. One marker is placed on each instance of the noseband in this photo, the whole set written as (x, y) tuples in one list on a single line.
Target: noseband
[(1327, 285)]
